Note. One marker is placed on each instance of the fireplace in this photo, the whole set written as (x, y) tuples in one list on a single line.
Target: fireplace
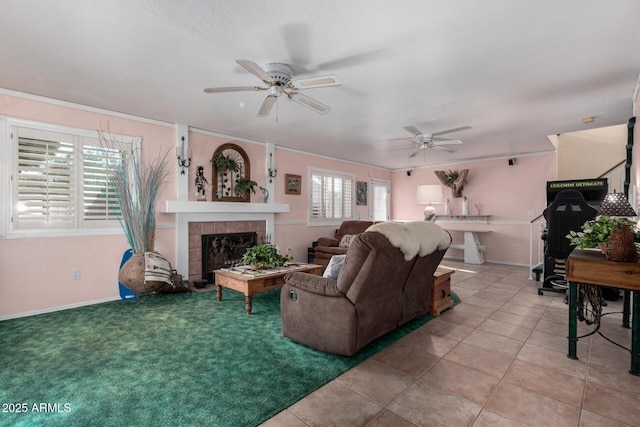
[(197, 254), (224, 250)]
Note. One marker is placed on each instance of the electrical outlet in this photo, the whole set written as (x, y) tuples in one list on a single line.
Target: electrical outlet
[(75, 274), (517, 248)]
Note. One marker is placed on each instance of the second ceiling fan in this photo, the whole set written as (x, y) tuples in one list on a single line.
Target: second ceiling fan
[(422, 140), (279, 80)]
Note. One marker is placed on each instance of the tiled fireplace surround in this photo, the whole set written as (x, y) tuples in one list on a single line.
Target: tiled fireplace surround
[(193, 219), (198, 229)]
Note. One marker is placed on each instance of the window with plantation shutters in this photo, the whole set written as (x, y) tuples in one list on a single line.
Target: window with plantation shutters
[(45, 182), (99, 201), (331, 196), (60, 179)]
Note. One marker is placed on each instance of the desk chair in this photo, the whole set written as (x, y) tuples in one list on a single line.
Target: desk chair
[(567, 213)]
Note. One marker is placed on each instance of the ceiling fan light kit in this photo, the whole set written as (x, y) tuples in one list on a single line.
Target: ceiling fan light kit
[(279, 79)]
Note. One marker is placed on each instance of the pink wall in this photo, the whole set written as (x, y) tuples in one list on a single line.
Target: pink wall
[(506, 193), (291, 228), (35, 273)]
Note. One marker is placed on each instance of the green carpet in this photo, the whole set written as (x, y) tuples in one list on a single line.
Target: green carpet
[(181, 359)]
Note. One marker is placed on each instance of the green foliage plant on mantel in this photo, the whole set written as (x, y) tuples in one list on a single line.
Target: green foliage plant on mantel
[(598, 231), (263, 256), (243, 186)]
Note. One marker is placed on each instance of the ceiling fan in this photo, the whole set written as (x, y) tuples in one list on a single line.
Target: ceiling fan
[(279, 80), (422, 140)]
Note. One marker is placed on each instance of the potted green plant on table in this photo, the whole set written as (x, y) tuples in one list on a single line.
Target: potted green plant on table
[(613, 235), (263, 256)]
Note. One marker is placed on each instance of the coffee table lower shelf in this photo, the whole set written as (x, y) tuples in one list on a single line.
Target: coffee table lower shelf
[(250, 285)]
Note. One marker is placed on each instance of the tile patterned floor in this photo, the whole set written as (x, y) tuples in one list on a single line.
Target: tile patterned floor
[(497, 359)]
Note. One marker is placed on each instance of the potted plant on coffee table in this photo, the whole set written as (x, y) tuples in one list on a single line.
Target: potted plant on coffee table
[(263, 256)]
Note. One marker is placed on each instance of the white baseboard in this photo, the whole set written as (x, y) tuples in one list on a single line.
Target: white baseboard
[(58, 308)]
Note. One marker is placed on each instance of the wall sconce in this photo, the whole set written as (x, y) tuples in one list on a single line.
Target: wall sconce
[(183, 161), (271, 170)]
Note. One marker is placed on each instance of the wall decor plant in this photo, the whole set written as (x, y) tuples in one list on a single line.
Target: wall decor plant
[(244, 187), (230, 167), (453, 179)]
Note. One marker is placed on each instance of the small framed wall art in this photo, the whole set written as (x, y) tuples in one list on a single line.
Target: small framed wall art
[(292, 183), (361, 193)]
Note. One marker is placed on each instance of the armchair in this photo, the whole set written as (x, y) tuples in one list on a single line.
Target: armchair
[(384, 283), (330, 246)]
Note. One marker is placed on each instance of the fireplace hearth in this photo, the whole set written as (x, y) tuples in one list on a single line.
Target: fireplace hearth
[(224, 250)]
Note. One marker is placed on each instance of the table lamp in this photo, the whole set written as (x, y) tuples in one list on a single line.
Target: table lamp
[(621, 246), (615, 204), (429, 195)]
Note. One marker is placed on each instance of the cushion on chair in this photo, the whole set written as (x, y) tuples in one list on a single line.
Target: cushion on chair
[(333, 268), (345, 241)]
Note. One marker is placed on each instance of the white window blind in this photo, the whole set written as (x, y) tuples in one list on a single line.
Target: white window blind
[(331, 199), (100, 202), (59, 180)]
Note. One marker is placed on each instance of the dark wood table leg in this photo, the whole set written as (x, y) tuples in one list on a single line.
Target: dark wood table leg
[(635, 335), (219, 292), (573, 320), (626, 305), (248, 306)]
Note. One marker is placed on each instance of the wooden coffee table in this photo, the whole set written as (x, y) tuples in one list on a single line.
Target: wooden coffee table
[(249, 283)]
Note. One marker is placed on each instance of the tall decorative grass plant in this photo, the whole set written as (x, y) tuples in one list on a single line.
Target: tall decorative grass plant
[(136, 182)]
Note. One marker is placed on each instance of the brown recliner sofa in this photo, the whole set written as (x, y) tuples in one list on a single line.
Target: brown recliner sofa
[(379, 288), (329, 246)]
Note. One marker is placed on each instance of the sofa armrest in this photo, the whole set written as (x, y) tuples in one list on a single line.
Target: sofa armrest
[(313, 284), (327, 241)]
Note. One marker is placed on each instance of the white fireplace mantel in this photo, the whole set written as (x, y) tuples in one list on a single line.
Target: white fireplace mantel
[(191, 211), (175, 206)]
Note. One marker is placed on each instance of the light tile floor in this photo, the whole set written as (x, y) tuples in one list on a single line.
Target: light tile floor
[(497, 359)]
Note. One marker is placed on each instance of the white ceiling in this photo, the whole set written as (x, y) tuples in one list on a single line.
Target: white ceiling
[(514, 71)]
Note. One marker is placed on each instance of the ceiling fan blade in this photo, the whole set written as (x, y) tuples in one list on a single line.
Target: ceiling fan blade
[(414, 130), (256, 70), (443, 148), (402, 148), (233, 89), (415, 153), (310, 103), (447, 142), (314, 82), (267, 105), (452, 130)]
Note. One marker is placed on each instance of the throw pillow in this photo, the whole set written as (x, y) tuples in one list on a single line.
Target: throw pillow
[(345, 241), (333, 268)]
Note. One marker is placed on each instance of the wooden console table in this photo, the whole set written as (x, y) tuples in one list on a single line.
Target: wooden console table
[(473, 250), (250, 284), (592, 268)]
